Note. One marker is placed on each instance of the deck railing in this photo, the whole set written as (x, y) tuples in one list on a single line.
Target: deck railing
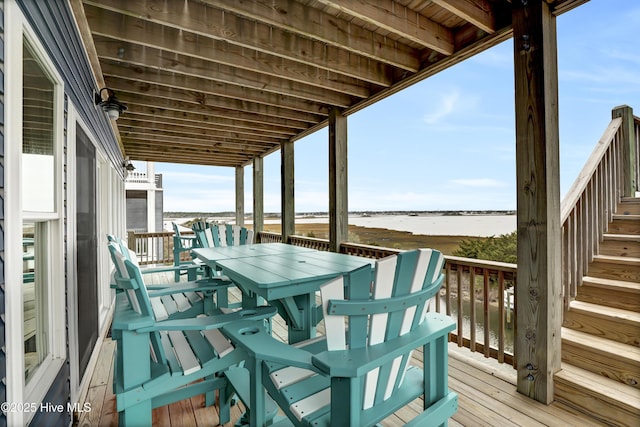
[(588, 207), (152, 248)]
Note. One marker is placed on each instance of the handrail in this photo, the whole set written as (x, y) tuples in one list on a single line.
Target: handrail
[(590, 203)]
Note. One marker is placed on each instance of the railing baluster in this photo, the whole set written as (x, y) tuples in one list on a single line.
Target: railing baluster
[(486, 326), (501, 316), (460, 307), (472, 308), (448, 289)]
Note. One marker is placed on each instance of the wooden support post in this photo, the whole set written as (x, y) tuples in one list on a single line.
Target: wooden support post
[(538, 295), (258, 195), (240, 195), (629, 155), (338, 188), (288, 210)]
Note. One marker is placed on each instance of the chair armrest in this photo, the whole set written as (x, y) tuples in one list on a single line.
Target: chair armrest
[(357, 362), (216, 321), (262, 346), (126, 319), (199, 286), (168, 268)]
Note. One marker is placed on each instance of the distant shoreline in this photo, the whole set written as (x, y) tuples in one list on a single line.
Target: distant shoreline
[(351, 213)]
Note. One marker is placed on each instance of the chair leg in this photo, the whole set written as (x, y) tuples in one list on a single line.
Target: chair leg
[(138, 415), (223, 406)]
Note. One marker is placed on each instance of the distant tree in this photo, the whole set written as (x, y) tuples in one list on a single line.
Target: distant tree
[(502, 248)]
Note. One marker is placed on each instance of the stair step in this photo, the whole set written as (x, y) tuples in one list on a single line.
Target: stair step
[(626, 216), (622, 237), (623, 245), (610, 292), (629, 205), (604, 399), (620, 362), (615, 267), (624, 224), (608, 322)]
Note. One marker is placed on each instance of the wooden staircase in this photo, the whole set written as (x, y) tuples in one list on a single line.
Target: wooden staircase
[(601, 332)]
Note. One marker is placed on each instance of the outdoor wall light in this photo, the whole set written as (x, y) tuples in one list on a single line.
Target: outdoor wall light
[(126, 163), (111, 105)]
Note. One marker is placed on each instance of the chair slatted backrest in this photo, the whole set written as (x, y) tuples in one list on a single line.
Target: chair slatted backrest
[(220, 235), (129, 279), (360, 315)]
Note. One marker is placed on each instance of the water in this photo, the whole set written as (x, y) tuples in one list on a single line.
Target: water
[(432, 225)]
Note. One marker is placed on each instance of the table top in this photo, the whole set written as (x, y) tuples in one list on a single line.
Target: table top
[(283, 270), (213, 255)]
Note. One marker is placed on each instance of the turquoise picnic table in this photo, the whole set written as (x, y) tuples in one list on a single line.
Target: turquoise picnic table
[(286, 276)]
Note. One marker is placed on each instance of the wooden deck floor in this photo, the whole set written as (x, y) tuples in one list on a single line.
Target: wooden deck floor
[(486, 390)]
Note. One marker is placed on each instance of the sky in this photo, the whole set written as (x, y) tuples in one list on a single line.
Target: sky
[(448, 142)]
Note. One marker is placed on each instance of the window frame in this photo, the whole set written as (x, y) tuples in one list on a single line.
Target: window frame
[(18, 32)]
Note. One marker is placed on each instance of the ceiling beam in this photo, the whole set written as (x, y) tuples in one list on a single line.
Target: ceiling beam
[(136, 99), (187, 83), (133, 119), (122, 86), (399, 20), (331, 92), (241, 150), (184, 157), (270, 34), (147, 33), (204, 120), (476, 12), (176, 130)]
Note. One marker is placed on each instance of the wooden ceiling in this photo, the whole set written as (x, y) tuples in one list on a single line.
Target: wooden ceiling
[(218, 82)]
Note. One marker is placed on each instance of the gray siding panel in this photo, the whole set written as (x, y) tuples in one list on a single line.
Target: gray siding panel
[(54, 23), (3, 360)]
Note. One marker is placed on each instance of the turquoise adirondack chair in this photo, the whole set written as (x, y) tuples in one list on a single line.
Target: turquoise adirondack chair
[(161, 359), (184, 244), (173, 299), (218, 235), (360, 373), (191, 270)]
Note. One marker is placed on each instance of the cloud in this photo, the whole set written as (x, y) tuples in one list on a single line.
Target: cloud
[(448, 103), (479, 182)]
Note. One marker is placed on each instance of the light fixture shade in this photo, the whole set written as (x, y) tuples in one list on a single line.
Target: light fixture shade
[(113, 114), (112, 106)]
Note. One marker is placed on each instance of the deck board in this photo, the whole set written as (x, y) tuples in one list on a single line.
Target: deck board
[(486, 389)]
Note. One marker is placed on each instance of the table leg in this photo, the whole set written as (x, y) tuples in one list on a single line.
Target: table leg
[(300, 318)]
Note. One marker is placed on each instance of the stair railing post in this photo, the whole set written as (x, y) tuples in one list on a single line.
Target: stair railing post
[(629, 154)]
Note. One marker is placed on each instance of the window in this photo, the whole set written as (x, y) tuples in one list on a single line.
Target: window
[(38, 160), (41, 223)]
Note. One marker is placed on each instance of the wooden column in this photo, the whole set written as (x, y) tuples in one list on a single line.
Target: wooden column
[(258, 195), (338, 188), (538, 294), (287, 200), (629, 157), (240, 195)]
